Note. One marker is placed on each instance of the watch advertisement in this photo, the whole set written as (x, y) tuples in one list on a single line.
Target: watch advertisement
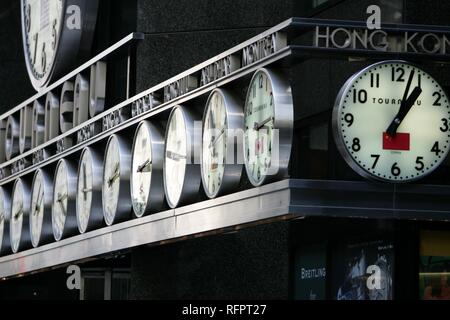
[(363, 271), (310, 273)]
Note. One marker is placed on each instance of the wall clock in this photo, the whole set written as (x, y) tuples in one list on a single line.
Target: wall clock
[(89, 191), (5, 245), (64, 220), (181, 168), (391, 122), (116, 180), (20, 209), (40, 211), (268, 125), (55, 34), (147, 192), (222, 121)]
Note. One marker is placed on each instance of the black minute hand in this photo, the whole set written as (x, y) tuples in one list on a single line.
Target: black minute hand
[(405, 105), (404, 109)]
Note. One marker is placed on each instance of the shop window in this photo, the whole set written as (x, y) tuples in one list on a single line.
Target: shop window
[(434, 274), (363, 270), (316, 3), (105, 284), (310, 272)]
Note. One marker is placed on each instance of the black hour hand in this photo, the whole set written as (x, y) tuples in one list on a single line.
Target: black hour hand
[(405, 106)]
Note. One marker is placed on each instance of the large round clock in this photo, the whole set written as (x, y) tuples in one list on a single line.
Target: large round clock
[(64, 220), (392, 122), (89, 191), (268, 122), (5, 245), (20, 209), (147, 191), (181, 168), (55, 34), (40, 211), (116, 180), (223, 120)]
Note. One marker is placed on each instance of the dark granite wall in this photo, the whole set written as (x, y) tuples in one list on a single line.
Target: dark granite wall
[(15, 85), (182, 33), (250, 264)]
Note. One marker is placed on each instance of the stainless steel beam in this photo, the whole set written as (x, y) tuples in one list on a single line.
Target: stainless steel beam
[(287, 199)]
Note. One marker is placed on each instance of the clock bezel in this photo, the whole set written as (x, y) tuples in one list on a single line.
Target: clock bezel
[(5, 244), (70, 227), (234, 122), (339, 139), (283, 122), (95, 219), (155, 200), (24, 237), (46, 234), (192, 176), (70, 43), (123, 209)]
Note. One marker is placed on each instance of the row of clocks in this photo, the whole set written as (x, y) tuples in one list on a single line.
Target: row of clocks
[(391, 122), (158, 167)]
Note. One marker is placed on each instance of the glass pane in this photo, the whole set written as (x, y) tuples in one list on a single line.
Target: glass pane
[(120, 288), (94, 288)]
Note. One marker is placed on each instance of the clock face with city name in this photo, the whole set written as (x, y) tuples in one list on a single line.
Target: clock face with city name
[(268, 120), (392, 122), (55, 34)]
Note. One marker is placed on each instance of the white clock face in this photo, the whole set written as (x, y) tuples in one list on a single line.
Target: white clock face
[(141, 169), (42, 24), (259, 120), (37, 207), (84, 190), (175, 157), (214, 144), (111, 180), (17, 212), (60, 200), (392, 122)]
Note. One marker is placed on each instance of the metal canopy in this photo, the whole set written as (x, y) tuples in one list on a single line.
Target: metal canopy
[(287, 199)]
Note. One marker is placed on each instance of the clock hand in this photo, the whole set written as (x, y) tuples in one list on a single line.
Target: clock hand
[(257, 126), (115, 176), (216, 139), (36, 37), (19, 212), (405, 107), (174, 156), (38, 201), (61, 198), (84, 181), (392, 129), (62, 208), (145, 167)]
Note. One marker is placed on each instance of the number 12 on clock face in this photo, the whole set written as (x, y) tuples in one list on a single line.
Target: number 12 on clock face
[(391, 122)]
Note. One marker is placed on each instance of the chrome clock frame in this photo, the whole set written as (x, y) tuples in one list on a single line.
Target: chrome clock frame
[(46, 234), (235, 123), (155, 199), (283, 122)]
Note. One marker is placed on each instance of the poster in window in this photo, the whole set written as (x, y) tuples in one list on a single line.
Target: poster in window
[(434, 268), (363, 271)]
